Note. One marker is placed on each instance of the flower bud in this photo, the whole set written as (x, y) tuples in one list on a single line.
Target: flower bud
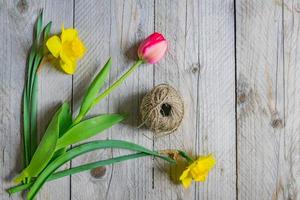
[(153, 48)]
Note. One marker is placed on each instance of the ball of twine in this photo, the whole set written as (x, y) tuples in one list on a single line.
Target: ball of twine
[(162, 109)]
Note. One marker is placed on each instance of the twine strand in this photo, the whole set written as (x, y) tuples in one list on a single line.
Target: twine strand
[(162, 110)]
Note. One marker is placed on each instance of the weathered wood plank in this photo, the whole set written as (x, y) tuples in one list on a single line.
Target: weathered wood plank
[(288, 180), (131, 22), (16, 25), (202, 60), (216, 131), (18, 19), (200, 64), (260, 98), (55, 87), (117, 27), (92, 19), (178, 21)]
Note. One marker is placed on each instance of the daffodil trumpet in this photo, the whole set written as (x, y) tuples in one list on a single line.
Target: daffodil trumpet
[(197, 170), (66, 49)]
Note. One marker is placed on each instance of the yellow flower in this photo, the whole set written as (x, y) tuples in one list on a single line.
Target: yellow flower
[(67, 49), (198, 170)]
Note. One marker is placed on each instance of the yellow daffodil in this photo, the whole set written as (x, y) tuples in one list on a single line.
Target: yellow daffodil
[(67, 49), (197, 170)]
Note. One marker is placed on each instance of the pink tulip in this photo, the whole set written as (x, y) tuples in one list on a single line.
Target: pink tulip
[(153, 48)]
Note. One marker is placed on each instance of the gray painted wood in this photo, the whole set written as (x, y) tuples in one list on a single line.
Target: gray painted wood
[(254, 137), (268, 140), (94, 29), (16, 22), (131, 22), (179, 22), (54, 88), (288, 181), (200, 60), (116, 35), (216, 97)]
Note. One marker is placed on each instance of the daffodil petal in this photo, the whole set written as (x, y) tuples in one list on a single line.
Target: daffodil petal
[(68, 68), (78, 48), (186, 178), (66, 58), (67, 65), (211, 161), (54, 45), (67, 35), (201, 177), (184, 174), (198, 170), (186, 182)]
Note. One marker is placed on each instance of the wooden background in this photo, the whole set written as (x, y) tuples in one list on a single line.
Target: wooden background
[(236, 63)]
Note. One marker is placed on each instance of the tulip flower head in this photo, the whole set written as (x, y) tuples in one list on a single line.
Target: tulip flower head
[(197, 170), (153, 48), (66, 49)]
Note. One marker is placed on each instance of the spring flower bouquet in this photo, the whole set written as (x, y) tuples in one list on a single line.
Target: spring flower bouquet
[(42, 160)]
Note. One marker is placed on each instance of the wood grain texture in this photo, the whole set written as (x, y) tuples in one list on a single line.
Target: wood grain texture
[(201, 60), (178, 21), (288, 181), (131, 22), (55, 87), (260, 98), (216, 97), (118, 27), (16, 25), (246, 112), (92, 19)]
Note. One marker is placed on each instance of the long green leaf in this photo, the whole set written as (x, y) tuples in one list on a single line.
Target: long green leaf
[(39, 25), (93, 90), (29, 68), (96, 164), (65, 120), (26, 129), (36, 63), (79, 169), (33, 117), (28, 112), (81, 149), (87, 129), (46, 147), (64, 124), (47, 30)]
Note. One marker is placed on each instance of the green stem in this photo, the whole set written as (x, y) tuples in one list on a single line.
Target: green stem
[(186, 156), (78, 169), (77, 119), (108, 90)]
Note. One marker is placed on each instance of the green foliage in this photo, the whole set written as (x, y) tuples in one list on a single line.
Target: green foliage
[(93, 90), (33, 117), (26, 129), (47, 145), (39, 26), (87, 129), (41, 161), (186, 156), (81, 149), (30, 93), (47, 30), (81, 168)]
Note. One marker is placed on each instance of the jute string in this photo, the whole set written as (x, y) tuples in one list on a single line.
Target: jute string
[(162, 110)]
